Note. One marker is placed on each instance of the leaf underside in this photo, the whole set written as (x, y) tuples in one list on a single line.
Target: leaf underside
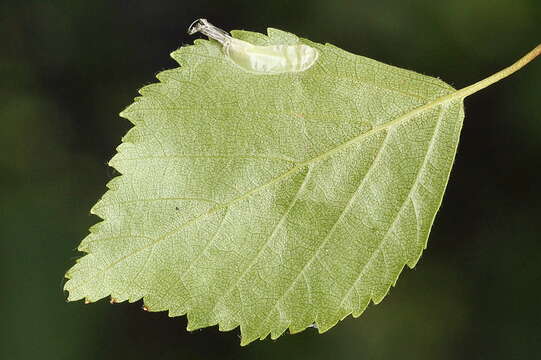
[(270, 202)]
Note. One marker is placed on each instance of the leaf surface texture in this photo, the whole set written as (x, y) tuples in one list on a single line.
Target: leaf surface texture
[(272, 202)]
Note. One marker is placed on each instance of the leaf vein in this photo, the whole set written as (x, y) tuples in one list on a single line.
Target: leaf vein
[(273, 233), (331, 230), (397, 216)]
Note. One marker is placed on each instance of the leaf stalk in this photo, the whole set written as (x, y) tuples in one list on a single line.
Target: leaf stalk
[(523, 61)]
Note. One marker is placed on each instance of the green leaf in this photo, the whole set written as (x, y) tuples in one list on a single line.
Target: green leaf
[(272, 202)]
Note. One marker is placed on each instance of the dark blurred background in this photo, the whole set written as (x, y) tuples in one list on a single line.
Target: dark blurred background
[(68, 67)]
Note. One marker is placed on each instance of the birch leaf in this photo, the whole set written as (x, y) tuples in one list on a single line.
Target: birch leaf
[(271, 202)]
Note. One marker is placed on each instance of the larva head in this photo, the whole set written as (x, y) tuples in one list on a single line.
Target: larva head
[(206, 28)]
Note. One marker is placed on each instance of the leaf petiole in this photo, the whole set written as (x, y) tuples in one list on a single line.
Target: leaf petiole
[(480, 85)]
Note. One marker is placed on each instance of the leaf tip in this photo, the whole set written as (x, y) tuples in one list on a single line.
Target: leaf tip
[(245, 340)]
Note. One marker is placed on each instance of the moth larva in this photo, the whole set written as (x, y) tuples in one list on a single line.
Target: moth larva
[(272, 59)]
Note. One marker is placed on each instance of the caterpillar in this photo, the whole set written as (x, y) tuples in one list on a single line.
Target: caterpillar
[(271, 59)]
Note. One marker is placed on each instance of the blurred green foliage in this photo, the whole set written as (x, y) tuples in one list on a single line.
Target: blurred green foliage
[(475, 292)]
